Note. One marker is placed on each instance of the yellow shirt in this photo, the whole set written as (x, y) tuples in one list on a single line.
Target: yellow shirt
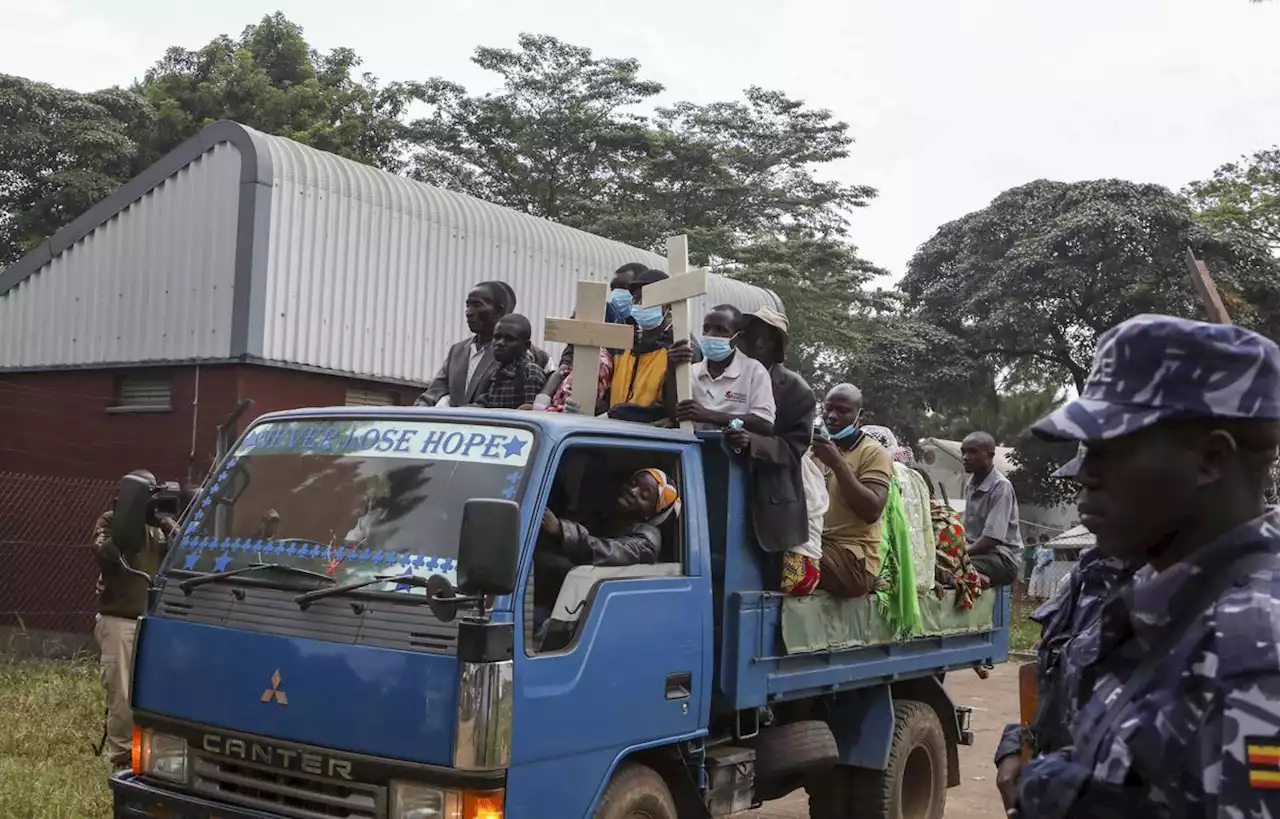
[(638, 379), (874, 466)]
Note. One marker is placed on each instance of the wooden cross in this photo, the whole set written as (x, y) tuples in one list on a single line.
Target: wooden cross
[(588, 332), (684, 284), (1207, 289)]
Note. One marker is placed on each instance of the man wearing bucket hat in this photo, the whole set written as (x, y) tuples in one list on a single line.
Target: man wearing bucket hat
[(1068, 612), (1177, 708), (779, 510)]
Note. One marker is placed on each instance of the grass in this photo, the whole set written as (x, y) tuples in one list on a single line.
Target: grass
[(1023, 633), (52, 715)]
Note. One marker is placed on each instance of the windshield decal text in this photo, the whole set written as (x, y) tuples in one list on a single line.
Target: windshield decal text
[(400, 439)]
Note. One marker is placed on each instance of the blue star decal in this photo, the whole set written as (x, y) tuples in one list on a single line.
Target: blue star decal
[(405, 586), (220, 564), (378, 556), (190, 562), (513, 478), (206, 503), (514, 447), (509, 492), (292, 550)]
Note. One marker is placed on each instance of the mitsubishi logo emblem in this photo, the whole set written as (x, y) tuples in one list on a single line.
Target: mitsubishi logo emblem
[(274, 692)]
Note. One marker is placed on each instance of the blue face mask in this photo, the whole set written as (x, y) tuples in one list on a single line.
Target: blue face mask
[(717, 349), (621, 302), (847, 432), (647, 318)]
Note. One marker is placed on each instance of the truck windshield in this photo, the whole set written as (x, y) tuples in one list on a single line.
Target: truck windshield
[(351, 499)]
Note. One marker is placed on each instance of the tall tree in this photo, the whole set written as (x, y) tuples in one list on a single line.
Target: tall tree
[(271, 79), (1036, 276), (557, 140), (60, 152), (1243, 197)]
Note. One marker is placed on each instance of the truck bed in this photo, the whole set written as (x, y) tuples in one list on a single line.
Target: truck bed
[(769, 649), (758, 666)]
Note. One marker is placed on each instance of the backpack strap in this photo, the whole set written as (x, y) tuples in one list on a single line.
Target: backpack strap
[(1214, 586)]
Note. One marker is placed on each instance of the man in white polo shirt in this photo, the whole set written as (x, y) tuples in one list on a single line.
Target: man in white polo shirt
[(728, 385)]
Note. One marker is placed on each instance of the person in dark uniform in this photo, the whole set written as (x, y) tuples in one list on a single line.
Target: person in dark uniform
[(1175, 705), (1067, 613)]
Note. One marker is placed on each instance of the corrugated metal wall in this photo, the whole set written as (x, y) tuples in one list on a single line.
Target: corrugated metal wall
[(367, 271), (153, 283)]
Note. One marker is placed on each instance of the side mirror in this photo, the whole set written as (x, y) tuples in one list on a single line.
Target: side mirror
[(489, 547), (129, 520)]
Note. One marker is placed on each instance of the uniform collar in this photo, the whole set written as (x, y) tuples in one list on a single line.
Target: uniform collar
[(1156, 597)]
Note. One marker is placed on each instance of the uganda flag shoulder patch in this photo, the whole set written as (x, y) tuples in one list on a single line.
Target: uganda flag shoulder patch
[(1263, 757)]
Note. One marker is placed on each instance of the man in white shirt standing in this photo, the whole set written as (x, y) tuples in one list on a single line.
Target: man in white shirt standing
[(728, 385)]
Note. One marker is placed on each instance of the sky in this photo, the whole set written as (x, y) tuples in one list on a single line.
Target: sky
[(950, 101)]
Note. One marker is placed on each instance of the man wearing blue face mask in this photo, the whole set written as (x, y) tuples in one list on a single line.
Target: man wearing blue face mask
[(641, 389), (858, 472), (728, 385)]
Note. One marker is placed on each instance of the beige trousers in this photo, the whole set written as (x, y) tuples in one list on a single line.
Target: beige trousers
[(115, 641)]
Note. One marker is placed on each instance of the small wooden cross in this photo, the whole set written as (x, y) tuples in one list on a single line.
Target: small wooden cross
[(1207, 289), (685, 283), (588, 332)]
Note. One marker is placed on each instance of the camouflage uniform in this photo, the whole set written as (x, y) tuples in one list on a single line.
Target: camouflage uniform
[(1062, 617), (1200, 740)]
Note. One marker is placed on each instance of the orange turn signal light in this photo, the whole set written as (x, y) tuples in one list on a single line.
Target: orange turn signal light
[(483, 804)]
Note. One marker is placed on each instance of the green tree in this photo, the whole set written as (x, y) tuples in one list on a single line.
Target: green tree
[(1242, 197), (1037, 461), (271, 79), (557, 140), (60, 152), (1035, 277)]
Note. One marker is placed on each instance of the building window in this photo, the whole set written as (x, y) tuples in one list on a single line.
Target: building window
[(143, 393), (357, 397)]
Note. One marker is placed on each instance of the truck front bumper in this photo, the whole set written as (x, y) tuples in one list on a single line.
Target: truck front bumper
[(136, 798)]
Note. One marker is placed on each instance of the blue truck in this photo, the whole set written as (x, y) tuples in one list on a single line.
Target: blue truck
[(344, 627)]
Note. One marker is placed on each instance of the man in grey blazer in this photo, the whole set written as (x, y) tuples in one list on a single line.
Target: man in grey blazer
[(469, 366)]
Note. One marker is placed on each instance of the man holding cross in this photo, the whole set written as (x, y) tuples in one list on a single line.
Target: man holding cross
[(644, 387)]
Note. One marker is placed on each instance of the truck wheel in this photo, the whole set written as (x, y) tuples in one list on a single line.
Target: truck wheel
[(636, 792), (912, 786), (797, 748)]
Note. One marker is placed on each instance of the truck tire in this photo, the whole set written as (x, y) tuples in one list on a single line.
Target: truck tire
[(795, 749), (912, 786), (636, 792)]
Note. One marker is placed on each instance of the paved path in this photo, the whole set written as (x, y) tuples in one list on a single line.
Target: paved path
[(995, 703)]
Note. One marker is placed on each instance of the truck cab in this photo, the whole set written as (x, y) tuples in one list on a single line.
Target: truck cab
[(350, 624)]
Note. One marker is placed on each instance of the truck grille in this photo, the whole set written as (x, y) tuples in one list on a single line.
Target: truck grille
[(287, 794)]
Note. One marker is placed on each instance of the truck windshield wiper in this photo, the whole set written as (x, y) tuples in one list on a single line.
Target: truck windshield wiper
[(306, 599), (195, 582)]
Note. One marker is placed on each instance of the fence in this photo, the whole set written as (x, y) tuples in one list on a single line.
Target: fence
[(47, 574)]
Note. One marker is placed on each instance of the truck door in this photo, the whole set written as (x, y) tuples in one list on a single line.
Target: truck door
[(624, 662)]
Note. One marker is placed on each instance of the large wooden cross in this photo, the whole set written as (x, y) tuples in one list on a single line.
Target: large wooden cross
[(587, 332), (1207, 290), (685, 283)]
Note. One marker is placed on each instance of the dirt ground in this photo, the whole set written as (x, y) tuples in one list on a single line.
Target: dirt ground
[(995, 703)]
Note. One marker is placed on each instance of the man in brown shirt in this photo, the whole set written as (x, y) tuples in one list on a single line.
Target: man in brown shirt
[(858, 472)]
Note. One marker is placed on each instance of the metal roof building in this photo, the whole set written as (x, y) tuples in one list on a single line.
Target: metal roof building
[(242, 247)]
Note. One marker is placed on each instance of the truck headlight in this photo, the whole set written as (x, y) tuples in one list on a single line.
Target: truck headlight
[(410, 800), (163, 756)]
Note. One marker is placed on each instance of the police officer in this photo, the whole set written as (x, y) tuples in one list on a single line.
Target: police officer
[(1067, 613), (1176, 699)]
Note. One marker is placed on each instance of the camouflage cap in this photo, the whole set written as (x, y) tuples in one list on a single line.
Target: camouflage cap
[(1153, 368)]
